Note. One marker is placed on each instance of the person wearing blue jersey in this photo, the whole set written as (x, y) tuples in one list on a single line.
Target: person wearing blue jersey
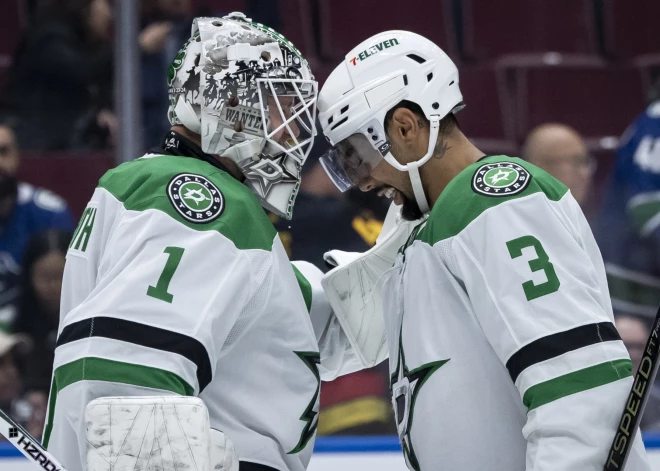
[(24, 211), (628, 229)]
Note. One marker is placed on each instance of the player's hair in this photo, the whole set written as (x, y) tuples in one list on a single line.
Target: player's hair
[(447, 124)]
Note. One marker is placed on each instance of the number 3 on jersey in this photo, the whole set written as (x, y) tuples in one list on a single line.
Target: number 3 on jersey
[(542, 262), (159, 291)]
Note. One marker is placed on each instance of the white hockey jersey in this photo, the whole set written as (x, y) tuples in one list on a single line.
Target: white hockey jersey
[(503, 352), (177, 283)]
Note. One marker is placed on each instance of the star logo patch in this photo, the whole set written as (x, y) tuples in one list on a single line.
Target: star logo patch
[(500, 179), (195, 198)]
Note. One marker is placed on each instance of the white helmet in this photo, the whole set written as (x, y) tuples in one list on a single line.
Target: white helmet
[(219, 85), (374, 77)]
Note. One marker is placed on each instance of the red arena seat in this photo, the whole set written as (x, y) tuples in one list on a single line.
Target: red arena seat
[(493, 29), (341, 32)]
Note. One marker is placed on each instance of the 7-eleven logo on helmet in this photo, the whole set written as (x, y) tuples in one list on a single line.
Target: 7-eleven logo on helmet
[(375, 49)]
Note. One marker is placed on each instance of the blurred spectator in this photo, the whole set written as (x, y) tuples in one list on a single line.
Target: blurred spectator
[(11, 347), (634, 332), (326, 219), (60, 85), (559, 150), (24, 211), (30, 411), (628, 228), (39, 302), (166, 25)]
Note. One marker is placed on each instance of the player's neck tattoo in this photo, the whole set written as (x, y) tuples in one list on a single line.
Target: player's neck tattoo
[(441, 147)]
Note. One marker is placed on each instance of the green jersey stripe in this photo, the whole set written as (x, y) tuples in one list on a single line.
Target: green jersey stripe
[(144, 184), (305, 287), (459, 204), (101, 369), (51, 413), (575, 382)]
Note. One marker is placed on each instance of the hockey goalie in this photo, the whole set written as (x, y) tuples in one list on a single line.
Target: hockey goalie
[(176, 284)]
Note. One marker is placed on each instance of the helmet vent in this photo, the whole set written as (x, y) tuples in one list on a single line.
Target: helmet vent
[(405, 80), (344, 109), (416, 58), (339, 123), (217, 23), (330, 119), (451, 83), (429, 77)]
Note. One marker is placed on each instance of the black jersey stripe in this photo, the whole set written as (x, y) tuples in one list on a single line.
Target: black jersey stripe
[(557, 344), (145, 335), (249, 466)]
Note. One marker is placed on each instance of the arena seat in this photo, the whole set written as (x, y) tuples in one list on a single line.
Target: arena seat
[(492, 29), (341, 32), (72, 175), (297, 25), (486, 119), (631, 27), (12, 22), (224, 7), (597, 100)]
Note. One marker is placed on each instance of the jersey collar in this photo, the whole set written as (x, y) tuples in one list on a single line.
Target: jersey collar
[(179, 145)]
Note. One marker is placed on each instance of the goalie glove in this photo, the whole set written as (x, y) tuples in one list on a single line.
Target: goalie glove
[(154, 433), (353, 288)]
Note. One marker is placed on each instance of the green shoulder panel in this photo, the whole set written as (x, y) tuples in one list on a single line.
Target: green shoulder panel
[(483, 185), (194, 193)]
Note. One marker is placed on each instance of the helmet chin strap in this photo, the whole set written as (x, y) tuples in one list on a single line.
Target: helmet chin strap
[(413, 167)]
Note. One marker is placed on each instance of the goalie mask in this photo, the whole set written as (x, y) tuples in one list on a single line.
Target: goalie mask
[(251, 96)]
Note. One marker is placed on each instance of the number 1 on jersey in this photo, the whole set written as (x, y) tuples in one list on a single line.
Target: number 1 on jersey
[(159, 291)]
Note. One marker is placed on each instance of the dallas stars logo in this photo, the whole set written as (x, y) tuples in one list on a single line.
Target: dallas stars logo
[(267, 172), (405, 387), (500, 179), (195, 197), (310, 415)]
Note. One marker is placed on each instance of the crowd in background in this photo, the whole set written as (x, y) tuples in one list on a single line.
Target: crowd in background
[(58, 95)]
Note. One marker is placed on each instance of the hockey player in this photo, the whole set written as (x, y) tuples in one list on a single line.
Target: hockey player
[(627, 227), (176, 282), (502, 349)]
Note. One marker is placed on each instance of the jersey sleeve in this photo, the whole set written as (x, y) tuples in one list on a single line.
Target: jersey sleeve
[(534, 276), (337, 355)]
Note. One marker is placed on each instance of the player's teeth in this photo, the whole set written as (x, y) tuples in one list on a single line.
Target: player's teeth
[(389, 193)]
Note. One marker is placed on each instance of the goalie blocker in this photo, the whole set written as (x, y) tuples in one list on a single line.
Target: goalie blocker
[(154, 433)]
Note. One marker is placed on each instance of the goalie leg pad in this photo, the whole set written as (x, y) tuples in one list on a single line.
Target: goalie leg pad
[(154, 434)]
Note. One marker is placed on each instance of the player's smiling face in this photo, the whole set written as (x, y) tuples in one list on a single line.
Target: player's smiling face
[(409, 138), (389, 182)]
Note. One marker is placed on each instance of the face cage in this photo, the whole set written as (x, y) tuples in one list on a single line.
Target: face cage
[(305, 119), (354, 157)]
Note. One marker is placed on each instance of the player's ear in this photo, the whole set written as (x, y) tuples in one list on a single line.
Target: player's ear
[(405, 125)]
